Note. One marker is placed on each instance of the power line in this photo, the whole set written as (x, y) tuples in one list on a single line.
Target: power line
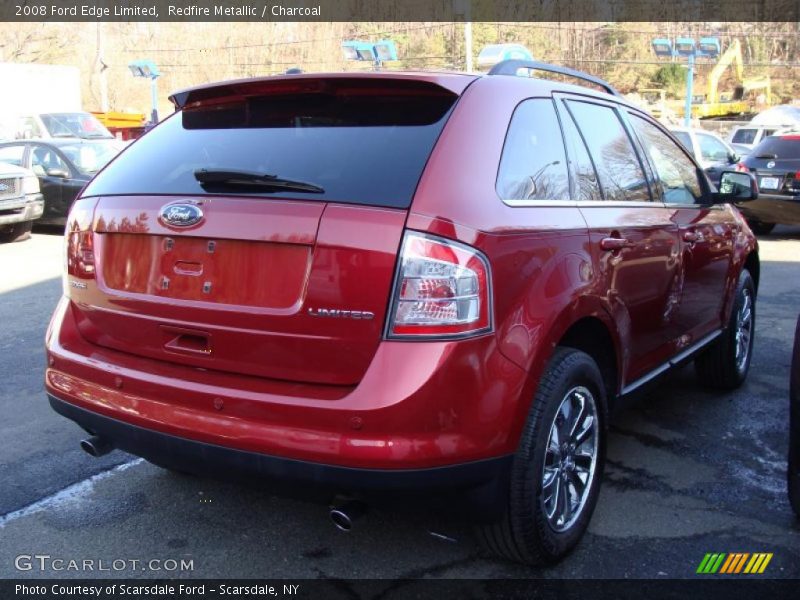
[(338, 38), (654, 32)]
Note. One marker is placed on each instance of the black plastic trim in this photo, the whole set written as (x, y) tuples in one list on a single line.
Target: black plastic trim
[(199, 457)]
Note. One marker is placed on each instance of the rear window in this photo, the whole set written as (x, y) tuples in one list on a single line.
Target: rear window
[(362, 142), (781, 147), (744, 136)]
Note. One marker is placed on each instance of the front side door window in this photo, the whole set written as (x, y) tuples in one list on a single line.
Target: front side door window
[(676, 174)]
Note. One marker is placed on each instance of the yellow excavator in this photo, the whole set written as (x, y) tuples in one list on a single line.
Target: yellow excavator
[(741, 101)]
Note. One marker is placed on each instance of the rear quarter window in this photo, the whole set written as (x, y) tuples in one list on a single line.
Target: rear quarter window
[(533, 165), (362, 143)]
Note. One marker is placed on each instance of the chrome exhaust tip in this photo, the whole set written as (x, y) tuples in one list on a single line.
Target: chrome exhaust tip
[(345, 514), (97, 446)]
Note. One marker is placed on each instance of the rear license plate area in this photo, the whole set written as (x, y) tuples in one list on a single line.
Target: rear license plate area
[(769, 183), (222, 271)]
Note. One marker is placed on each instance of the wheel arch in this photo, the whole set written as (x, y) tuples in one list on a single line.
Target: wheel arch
[(593, 336), (752, 263), (586, 326)]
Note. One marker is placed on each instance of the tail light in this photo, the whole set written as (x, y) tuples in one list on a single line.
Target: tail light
[(80, 254), (443, 289), (741, 167)]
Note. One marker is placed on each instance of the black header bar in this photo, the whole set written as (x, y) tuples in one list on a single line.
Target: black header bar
[(400, 10)]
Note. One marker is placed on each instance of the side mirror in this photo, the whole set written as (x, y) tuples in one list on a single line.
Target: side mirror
[(733, 158), (735, 186), (62, 173)]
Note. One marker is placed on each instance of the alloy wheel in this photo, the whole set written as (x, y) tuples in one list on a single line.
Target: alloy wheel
[(570, 458)]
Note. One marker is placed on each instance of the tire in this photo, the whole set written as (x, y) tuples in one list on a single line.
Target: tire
[(722, 365), (760, 228), (526, 533), (18, 232)]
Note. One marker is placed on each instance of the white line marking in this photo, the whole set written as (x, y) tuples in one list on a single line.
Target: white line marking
[(72, 492)]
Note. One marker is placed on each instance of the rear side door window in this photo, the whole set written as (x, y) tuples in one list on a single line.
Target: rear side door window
[(587, 187), (44, 160), (616, 162), (533, 165), (676, 173)]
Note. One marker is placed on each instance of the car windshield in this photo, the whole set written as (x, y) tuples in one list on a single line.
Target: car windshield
[(91, 157), (82, 125)]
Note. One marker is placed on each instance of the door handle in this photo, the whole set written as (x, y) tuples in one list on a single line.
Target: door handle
[(614, 243), (690, 236)]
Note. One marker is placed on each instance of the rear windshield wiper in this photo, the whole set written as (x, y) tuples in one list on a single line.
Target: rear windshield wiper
[(767, 155), (229, 177)]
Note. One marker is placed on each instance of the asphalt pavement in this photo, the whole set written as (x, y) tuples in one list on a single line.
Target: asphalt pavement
[(689, 472)]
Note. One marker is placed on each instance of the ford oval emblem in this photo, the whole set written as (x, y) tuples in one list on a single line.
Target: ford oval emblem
[(3, 187), (770, 164), (181, 215)]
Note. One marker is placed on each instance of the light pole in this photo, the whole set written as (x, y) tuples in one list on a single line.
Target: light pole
[(685, 47), (148, 70), (375, 52)]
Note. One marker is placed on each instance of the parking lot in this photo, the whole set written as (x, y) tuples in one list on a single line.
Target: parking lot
[(689, 472)]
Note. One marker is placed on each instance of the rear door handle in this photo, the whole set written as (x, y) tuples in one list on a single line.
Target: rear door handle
[(613, 243)]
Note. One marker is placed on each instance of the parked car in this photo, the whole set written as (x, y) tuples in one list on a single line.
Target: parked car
[(776, 164), (381, 283), (63, 168), (794, 426), (708, 149), (81, 125), (20, 202), (751, 135)]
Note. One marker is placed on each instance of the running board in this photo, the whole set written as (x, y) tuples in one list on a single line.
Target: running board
[(673, 362)]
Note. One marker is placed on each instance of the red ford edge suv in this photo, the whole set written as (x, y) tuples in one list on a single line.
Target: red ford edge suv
[(387, 283)]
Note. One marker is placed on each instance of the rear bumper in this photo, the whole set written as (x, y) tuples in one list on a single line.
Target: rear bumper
[(20, 210), (198, 457), (419, 406)]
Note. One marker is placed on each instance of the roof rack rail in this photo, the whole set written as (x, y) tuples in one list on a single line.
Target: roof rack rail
[(510, 67)]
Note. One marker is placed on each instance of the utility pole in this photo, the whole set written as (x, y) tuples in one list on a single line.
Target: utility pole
[(687, 110), (462, 10), (468, 44), (102, 67)]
